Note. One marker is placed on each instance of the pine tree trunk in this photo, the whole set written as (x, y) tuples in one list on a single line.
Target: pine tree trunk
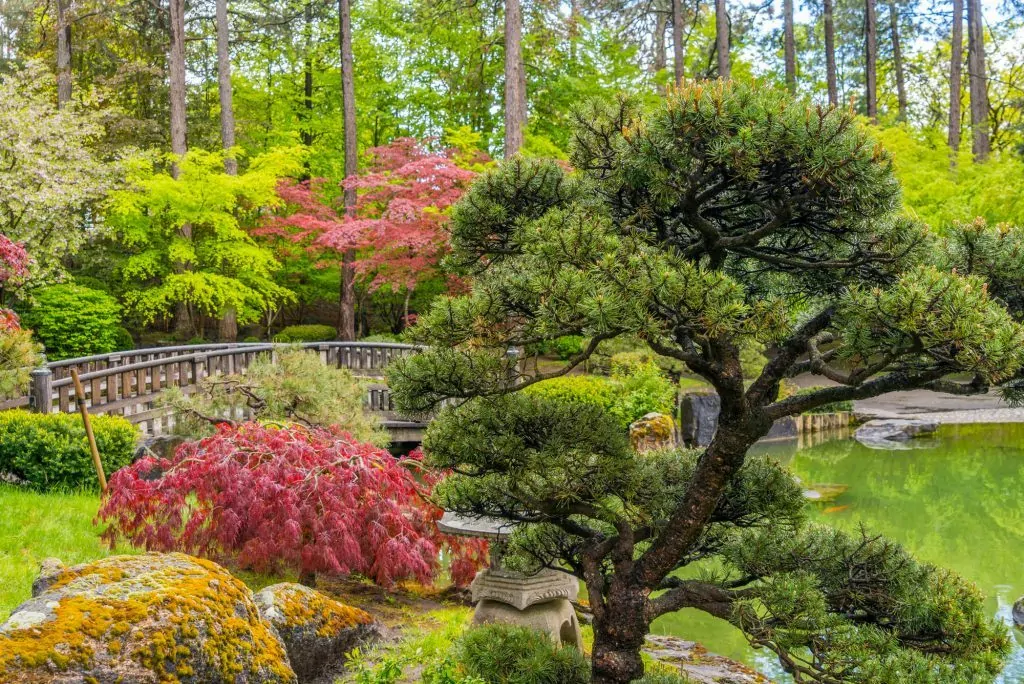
[(63, 54), (978, 80), (660, 60), (227, 110), (183, 324), (515, 78), (955, 75), (870, 60), (897, 60), (789, 47), (347, 314), (830, 54), (619, 634), (176, 71), (679, 61), (306, 132), (722, 39)]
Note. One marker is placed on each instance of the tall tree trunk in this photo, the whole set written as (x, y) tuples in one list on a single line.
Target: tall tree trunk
[(789, 46), (347, 314), (830, 54), (897, 60), (722, 39), (183, 323), (677, 40), (871, 60), (658, 40), (619, 633), (515, 78), (63, 54), (978, 80), (306, 132), (955, 85), (227, 110)]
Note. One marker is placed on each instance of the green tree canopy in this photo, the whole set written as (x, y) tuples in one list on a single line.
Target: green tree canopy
[(725, 214)]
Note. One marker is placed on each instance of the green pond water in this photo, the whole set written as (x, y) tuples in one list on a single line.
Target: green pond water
[(958, 504)]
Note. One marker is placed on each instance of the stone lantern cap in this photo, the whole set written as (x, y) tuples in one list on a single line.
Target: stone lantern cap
[(522, 591), (492, 529)]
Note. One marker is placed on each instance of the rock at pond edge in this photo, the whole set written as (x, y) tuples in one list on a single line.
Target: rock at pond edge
[(317, 631), (142, 619)]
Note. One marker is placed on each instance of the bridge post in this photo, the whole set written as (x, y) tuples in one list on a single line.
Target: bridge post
[(40, 394)]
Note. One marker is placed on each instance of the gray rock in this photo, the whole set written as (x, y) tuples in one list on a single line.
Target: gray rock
[(695, 663), (49, 571), (142, 619), (161, 446), (893, 433), (1018, 612), (699, 418), (317, 631)]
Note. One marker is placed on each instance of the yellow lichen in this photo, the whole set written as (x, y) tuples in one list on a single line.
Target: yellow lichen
[(302, 608), (155, 608)]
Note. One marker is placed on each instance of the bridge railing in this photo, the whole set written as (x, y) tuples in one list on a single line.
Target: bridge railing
[(129, 383)]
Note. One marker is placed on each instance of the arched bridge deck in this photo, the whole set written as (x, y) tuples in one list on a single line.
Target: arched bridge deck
[(129, 383)]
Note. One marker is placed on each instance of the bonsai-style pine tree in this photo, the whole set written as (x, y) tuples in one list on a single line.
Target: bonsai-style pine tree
[(725, 215)]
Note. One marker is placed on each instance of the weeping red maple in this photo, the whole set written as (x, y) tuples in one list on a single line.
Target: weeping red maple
[(311, 499), (397, 228)]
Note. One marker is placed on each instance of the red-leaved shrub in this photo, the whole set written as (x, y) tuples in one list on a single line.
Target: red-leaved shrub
[(307, 498)]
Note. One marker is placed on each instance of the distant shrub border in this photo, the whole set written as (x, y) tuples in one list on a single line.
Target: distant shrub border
[(71, 321), (306, 333), (49, 450)]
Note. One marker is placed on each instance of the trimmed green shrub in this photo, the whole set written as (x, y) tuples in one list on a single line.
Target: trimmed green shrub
[(635, 388), (568, 346), (506, 654), (306, 333), (382, 337), (252, 338), (124, 339), (51, 450), (71, 320)]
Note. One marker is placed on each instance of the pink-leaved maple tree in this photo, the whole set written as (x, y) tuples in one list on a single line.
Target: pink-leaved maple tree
[(310, 499), (398, 226)]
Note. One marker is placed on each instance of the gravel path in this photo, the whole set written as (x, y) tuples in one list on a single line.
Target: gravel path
[(945, 408)]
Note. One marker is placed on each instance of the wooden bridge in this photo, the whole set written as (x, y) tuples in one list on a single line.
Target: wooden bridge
[(129, 383)]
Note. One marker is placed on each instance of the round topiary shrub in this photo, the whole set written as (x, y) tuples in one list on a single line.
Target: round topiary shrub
[(71, 320), (507, 654)]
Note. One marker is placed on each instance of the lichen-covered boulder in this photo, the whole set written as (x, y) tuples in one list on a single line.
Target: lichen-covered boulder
[(317, 630), (150, 618), (653, 431)]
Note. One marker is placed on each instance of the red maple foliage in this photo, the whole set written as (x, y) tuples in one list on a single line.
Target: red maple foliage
[(311, 499), (14, 260), (397, 228)]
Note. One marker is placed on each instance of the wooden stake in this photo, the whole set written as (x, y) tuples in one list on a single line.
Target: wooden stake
[(80, 400)]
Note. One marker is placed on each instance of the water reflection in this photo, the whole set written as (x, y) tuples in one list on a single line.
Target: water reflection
[(959, 505)]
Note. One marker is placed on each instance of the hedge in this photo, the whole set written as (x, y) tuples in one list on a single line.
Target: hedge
[(50, 450), (306, 333)]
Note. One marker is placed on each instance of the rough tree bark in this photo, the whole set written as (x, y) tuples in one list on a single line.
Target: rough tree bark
[(830, 54), (677, 40), (978, 80), (347, 313), (660, 60), (789, 44), (227, 110), (871, 60), (722, 39), (897, 60), (63, 54), (183, 324), (515, 78), (228, 325), (955, 84)]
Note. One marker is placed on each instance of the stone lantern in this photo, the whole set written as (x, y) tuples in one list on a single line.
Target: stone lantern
[(541, 601)]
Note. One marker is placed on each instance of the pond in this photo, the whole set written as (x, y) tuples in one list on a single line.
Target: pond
[(959, 504)]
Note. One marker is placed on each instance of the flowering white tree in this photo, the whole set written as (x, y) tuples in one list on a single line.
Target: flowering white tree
[(51, 176)]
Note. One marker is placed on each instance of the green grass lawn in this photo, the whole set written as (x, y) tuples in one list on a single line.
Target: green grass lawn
[(34, 526)]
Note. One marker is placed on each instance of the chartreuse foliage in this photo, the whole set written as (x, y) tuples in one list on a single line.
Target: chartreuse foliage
[(722, 218), (71, 320), (186, 239)]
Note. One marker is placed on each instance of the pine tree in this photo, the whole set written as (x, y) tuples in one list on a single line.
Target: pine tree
[(724, 215)]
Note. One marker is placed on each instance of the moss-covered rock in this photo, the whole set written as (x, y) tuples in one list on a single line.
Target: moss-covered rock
[(165, 618), (317, 630), (653, 431)]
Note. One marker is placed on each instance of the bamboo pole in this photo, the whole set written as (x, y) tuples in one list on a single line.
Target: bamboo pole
[(80, 400)]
